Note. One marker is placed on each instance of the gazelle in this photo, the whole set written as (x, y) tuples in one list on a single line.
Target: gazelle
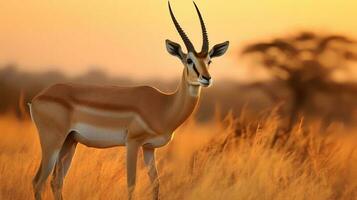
[(108, 116)]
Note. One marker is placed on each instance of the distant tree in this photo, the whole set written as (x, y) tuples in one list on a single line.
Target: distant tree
[(305, 63)]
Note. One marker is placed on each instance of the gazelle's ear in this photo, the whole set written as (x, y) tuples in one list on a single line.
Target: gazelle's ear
[(219, 49), (174, 49)]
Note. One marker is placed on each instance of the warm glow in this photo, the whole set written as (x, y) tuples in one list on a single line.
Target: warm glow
[(127, 37)]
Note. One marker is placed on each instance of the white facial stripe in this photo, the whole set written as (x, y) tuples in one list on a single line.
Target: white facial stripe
[(192, 56), (194, 66), (198, 63)]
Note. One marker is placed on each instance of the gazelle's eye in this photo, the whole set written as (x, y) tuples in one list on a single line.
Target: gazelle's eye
[(209, 62), (189, 61)]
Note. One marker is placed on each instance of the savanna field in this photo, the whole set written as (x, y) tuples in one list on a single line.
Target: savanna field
[(279, 122), (226, 158)]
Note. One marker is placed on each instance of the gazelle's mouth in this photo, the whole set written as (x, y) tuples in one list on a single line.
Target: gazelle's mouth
[(205, 82)]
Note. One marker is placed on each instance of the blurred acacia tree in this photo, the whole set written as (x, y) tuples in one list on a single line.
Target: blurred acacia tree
[(306, 63)]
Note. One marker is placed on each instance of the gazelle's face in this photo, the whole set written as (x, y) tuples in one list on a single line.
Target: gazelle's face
[(197, 69), (196, 64)]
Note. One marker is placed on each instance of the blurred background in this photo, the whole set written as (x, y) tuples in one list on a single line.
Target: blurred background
[(279, 121), (298, 57)]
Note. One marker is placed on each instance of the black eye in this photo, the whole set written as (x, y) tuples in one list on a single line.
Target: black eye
[(209, 62), (189, 61)]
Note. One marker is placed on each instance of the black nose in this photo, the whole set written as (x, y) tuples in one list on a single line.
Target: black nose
[(207, 78)]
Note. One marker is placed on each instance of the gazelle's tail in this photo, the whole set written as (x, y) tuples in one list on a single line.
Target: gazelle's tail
[(29, 105)]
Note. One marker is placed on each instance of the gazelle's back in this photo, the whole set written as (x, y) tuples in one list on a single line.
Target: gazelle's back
[(105, 97)]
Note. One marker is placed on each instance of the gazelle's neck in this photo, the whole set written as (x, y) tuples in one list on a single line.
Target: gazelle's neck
[(187, 90), (184, 101)]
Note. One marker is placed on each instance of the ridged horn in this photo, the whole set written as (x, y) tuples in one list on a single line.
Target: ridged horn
[(205, 43), (183, 35)]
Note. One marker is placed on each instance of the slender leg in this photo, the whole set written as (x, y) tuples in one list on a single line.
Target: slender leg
[(49, 157), (50, 147), (62, 166), (52, 134), (35, 179), (149, 160), (131, 158)]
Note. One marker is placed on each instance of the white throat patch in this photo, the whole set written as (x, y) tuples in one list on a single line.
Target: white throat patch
[(194, 90)]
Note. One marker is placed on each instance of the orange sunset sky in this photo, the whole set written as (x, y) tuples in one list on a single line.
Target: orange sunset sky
[(126, 38)]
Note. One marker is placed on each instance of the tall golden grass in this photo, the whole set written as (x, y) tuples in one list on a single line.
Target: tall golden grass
[(228, 158)]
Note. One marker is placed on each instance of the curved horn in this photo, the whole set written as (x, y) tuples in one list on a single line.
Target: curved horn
[(205, 42), (183, 35)]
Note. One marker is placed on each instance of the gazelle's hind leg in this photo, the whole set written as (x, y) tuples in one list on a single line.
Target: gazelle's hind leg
[(49, 157), (52, 134), (62, 166)]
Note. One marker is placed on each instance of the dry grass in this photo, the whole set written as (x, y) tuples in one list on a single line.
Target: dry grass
[(239, 163)]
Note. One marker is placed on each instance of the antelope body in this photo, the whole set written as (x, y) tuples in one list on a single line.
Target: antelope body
[(108, 116)]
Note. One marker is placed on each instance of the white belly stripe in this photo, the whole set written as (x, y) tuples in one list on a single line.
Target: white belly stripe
[(101, 136), (119, 115), (98, 136), (104, 113)]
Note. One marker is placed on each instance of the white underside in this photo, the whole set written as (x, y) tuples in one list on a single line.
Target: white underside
[(93, 136), (103, 137)]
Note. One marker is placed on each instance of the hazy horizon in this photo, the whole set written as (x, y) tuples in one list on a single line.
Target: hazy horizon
[(126, 38)]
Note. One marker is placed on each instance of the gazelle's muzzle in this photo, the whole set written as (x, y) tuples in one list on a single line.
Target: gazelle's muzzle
[(205, 81)]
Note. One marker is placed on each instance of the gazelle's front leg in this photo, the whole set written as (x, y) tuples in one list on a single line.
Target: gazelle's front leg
[(131, 158), (149, 159)]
